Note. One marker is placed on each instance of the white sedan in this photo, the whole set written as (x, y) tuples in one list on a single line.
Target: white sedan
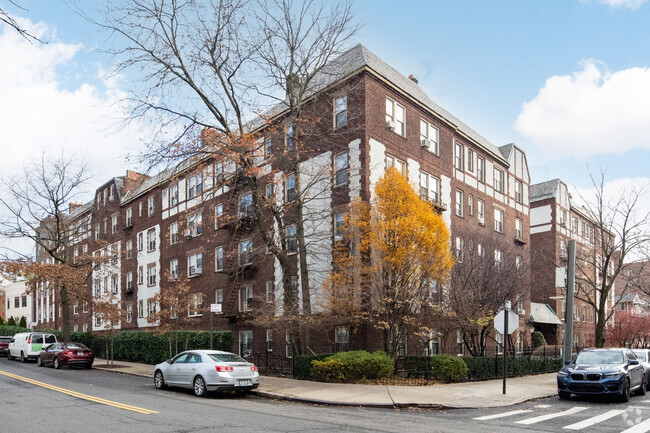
[(207, 370)]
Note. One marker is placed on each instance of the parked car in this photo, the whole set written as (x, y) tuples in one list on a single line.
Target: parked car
[(643, 356), (60, 354), (27, 345), (207, 370), (614, 372), (4, 345)]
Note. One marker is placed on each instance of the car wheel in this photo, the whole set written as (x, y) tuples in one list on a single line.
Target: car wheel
[(643, 387), (159, 380), (9, 357), (625, 392), (564, 395), (56, 364), (88, 366), (199, 387), (22, 356), (39, 361)]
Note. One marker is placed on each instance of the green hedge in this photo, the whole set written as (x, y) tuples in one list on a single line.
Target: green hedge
[(448, 368), (538, 339), (352, 367), (302, 365), (483, 368), (10, 331)]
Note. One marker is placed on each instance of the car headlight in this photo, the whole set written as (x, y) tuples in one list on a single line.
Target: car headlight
[(612, 375), (562, 374)]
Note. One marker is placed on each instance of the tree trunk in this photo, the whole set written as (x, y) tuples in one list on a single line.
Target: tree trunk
[(65, 313), (304, 271)]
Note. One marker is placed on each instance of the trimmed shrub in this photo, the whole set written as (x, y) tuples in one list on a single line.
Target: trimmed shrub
[(10, 331), (11, 321), (2, 322), (538, 339), (448, 368), (483, 368), (352, 366), (302, 365), (23, 322)]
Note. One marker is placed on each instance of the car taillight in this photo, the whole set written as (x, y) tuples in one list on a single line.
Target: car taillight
[(223, 368), (254, 368), (68, 352), (29, 340)]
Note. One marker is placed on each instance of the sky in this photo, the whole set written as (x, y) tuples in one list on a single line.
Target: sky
[(568, 81)]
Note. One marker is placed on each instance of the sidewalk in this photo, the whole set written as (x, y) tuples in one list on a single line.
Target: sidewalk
[(452, 396)]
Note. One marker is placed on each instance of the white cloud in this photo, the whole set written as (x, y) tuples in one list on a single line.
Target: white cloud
[(590, 112), (40, 110), (630, 4)]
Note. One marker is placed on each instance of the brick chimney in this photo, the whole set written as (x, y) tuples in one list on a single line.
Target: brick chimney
[(73, 206), (412, 78)]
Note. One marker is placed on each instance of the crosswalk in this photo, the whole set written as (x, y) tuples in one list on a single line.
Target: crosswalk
[(632, 419)]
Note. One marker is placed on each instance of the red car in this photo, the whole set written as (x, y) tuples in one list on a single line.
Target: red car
[(60, 354), (4, 345)]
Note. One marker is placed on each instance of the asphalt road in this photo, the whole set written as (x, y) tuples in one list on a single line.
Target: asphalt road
[(34, 399)]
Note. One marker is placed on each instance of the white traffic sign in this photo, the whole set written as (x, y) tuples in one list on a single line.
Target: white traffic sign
[(513, 321), (215, 308)]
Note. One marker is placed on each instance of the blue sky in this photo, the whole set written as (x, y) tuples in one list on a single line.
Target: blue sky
[(568, 80)]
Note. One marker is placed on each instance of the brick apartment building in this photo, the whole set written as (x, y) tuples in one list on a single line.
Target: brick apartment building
[(556, 219), (178, 225)]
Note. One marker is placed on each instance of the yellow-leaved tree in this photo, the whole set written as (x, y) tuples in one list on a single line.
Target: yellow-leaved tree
[(392, 258)]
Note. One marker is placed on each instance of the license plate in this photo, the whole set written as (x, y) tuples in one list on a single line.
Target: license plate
[(80, 354), (244, 382)]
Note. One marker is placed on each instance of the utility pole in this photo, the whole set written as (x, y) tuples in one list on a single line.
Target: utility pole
[(570, 287)]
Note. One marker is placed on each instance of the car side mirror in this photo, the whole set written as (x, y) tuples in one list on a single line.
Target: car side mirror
[(567, 362), (634, 362), (169, 361)]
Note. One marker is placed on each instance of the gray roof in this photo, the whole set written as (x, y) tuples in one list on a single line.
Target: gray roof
[(627, 298), (506, 150), (540, 191), (81, 210), (543, 313)]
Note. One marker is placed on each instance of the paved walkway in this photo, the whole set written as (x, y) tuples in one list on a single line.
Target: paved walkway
[(482, 394)]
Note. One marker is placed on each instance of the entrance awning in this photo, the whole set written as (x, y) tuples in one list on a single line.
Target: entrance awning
[(543, 313)]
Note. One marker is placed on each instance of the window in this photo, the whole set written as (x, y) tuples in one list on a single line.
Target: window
[(129, 249), (218, 259), (84, 307), (481, 211), (518, 262), (75, 328), (459, 343), (129, 313), (480, 169), (269, 191), (563, 251), (129, 217), (140, 208), (85, 327), (114, 224), (519, 191), (270, 291), (195, 307), (399, 165), (498, 180), (519, 228), (458, 156), (341, 176), (98, 321), (218, 214), (218, 171), (498, 259), (105, 226), (195, 224), (458, 250), (151, 307), (470, 160), (195, 186), (245, 343), (429, 187), (470, 204), (173, 268), (129, 282), (173, 195), (395, 117), (292, 239), (195, 265), (291, 187), (111, 195), (340, 111), (152, 205), (339, 224), (246, 205), (151, 274), (341, 338), (268, 148), (114, 284), (289, 136), (140, 241), (246, 298), (140, 309), (96, 231), (218, 299), (173, 233), (245, 252), (429, 136), (459, 203), (75, 309), (498, 220), (269, 340), (295, 287), (151, 240)]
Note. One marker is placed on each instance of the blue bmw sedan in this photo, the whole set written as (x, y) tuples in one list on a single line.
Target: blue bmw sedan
[(613, 372)]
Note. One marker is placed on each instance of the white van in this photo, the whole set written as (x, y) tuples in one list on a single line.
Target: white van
[(27, 345)]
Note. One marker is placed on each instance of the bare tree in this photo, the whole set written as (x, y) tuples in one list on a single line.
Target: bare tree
[(621, 235), (11, 22), (35, 207)]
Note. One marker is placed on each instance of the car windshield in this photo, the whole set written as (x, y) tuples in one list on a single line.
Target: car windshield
[(604, 357), (76, 346), (226, 357), (641, 355)]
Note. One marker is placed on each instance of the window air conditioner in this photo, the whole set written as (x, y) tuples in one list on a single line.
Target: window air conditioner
[(189, 233), (425, 143), (390, 124)]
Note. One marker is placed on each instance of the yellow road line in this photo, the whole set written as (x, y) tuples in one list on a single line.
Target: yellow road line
[(80, 395)]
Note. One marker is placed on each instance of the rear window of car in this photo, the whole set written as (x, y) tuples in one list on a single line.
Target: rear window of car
[(600, 358), (5, 339), (50, 338), (226, 357), (76, 346)]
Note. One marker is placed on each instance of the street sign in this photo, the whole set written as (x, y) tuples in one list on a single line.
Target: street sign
[(215, 308), (513, 321)]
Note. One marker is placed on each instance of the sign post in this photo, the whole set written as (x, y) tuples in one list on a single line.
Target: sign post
[(214, 308), (506, 322)]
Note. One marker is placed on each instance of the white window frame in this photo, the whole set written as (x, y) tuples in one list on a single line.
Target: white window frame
[(341, 175), (393, 118), (194, 265), (429, 132), (173, 268), (340, 107), (460, 201), (246, 298), (218, 259), (499, 215), (399, 165)]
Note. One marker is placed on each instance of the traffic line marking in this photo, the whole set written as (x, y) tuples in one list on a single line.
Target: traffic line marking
[(501, 415), (641, 427), (80, 395), (550, 416), (594, 420)]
